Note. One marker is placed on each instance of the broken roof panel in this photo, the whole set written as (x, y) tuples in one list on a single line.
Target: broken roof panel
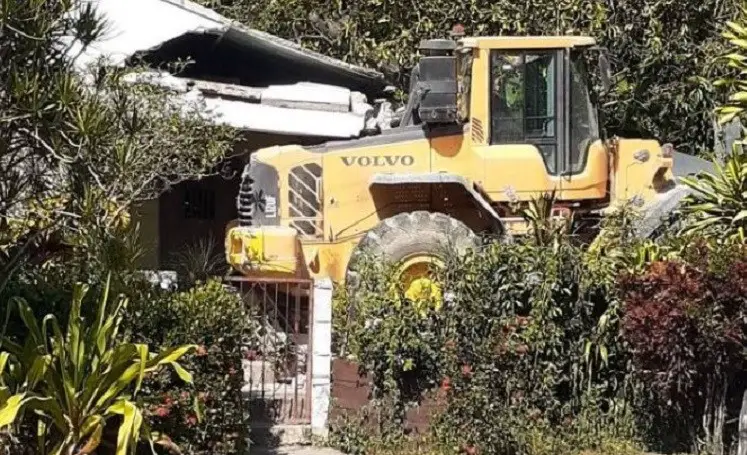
[(286, 121), (302, 109), (143, 28), (245, 78), (137, 25)]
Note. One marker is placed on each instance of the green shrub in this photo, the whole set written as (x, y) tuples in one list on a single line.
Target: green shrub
[(198, 261), (394, 338), (47, 281), (736, 34), (76, 386), (374, 428), (524, 348), (717, 205), (683, 323), (209, 416), (530, 366)]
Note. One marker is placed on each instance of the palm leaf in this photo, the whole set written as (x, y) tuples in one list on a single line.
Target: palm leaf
[(76, 380), (10, 409), (129, 429)]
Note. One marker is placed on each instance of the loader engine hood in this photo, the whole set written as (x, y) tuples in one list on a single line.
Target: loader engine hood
[(259, 193), (282, 182)]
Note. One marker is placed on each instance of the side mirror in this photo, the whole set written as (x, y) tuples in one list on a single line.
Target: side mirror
[(605, 71)]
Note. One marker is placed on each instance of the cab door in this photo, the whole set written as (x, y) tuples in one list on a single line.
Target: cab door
[(525, 124), (528, 134)]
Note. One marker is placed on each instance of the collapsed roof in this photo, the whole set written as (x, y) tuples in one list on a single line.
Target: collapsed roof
[(221, 51)]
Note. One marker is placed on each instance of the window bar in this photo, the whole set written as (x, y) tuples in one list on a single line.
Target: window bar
[(566, 75), (279, 352), (524, 95), (265, 348), (297, 332)]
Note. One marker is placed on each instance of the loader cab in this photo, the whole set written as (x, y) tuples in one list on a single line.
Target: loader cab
[(530, 105), (543, 97)]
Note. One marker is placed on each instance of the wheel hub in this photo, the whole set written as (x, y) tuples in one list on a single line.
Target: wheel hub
[(416, 278)]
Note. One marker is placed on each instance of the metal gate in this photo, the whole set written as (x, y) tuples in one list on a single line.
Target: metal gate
[(277, 349)]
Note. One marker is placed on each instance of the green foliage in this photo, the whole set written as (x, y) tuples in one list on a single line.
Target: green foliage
[(74, 386), (206, 417), (46, 282), (528, 355), (717, 206), (199, 261), (660, 50), (375, 429), (544, 229), (78, 148), (524, 348), (541, 348), (387, 334), (683, 325), (736, 60)]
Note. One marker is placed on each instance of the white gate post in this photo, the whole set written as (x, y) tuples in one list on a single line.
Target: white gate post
[(321, 363)]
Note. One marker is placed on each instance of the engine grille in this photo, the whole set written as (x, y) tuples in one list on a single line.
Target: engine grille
[(305, 200), (246, 200), (477, 131)]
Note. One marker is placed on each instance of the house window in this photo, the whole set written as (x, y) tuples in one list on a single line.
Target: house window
[(199, 203)]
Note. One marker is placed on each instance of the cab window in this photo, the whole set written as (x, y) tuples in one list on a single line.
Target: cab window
[(464, 77), (583, 115)]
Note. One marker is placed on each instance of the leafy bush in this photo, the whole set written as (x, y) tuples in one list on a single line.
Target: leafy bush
[(77, 385), (528, 364), (396, 339), (524, 348), (717, 206), (736, 81), (376, 428), (684, 324), (199, 261), (208, 416)]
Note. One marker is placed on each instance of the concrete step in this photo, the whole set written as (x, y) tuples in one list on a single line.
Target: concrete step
[(295, 450), (258, 371), (268, 410), (279, 436)]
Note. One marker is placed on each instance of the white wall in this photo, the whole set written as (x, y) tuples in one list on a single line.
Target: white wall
[(321, 363)]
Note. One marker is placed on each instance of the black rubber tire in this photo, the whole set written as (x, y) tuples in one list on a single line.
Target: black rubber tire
[(402, 235)]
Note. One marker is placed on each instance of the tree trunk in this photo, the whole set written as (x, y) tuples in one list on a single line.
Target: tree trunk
[(742, 448), (708, 416), (719, 418)]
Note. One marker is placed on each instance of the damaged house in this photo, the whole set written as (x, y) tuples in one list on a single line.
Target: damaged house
[(271, 90)]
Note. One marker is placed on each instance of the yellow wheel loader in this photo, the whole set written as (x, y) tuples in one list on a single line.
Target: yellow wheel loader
[(491, 122)]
